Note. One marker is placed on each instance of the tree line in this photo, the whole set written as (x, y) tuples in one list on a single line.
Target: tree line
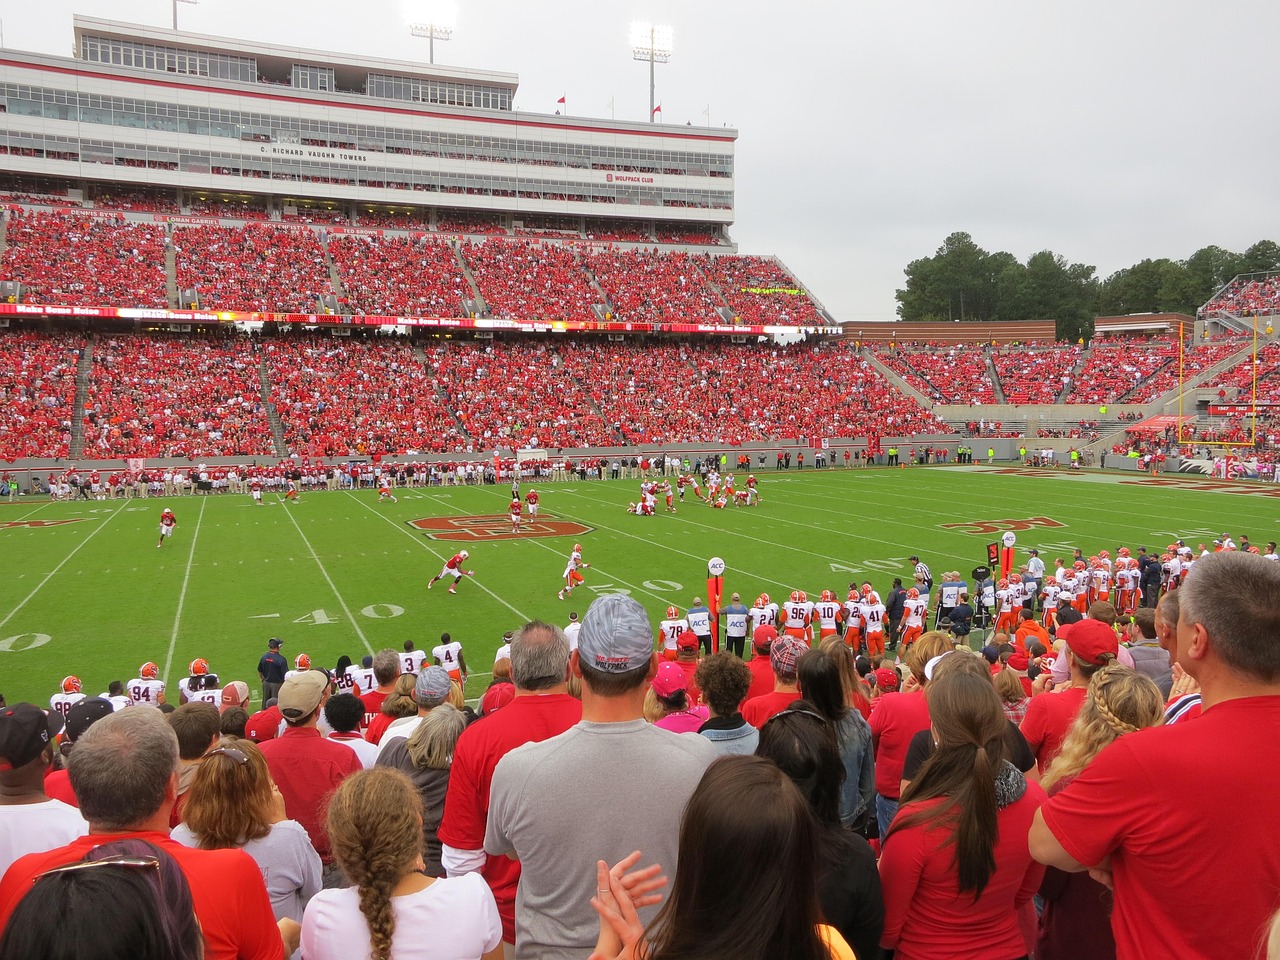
[(962, 281)]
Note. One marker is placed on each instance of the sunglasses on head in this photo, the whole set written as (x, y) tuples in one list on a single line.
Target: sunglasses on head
[(131, 863), (235, 753)]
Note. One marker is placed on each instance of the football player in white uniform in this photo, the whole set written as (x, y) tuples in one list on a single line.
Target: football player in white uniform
[(571, 575), (448, 654), (61, 703), (412, 659), (671, 628), (146, 689)]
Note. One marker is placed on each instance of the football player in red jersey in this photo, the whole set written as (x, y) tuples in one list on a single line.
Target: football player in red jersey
[(515, 508), (531, 499), (167, 522), (453, 568)]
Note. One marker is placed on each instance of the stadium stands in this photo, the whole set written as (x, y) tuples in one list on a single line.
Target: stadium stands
[(760, 291), (521, 280), (1033, 373), (81, 261), (254, 268), (37, 393), (175, 397), (1247, 297), (398, 276), (947, 374), (654, 287), (338, 397)]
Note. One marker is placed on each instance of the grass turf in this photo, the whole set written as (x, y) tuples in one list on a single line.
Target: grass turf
[(338, 573)]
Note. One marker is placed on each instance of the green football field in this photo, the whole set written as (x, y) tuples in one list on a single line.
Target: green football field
[(85, 590)]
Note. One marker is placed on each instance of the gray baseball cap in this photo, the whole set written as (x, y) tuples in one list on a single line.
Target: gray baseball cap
[(616, 635), (433, 683)]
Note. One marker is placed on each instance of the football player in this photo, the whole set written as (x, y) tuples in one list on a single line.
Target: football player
[(448, 654), (146, 688), (62, 702), (571, 575), (167, 522), (453, 568), (670, 629)]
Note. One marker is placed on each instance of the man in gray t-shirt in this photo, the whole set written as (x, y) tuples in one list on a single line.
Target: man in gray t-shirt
[(610, 785)]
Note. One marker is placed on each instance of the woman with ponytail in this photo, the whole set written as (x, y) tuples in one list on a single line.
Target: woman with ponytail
[(955, 866), (394, 909), (1076, 921)]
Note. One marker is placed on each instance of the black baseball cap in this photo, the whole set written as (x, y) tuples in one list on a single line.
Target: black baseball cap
[(85, 714), (25, 730), (275, 642)]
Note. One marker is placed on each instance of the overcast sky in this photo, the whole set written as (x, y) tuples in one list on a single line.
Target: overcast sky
[(1105, 130)]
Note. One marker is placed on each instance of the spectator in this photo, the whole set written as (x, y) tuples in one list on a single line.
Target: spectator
[(1149, 657), (760, 666), (1076, 918), (344, 711), (724, 681), (800, 743), (426, 756), (546, 797), (821, 686), (233, 804), (501, 690), (198, 727), (897, 717), (386, 667), (668, 704), (784, 656), (431, 688), (399, 705), (746, 882), (856, 691), (1090, 645), (955, 864), (119, 912), (306, 767), (57, 783), (374, 820), (1220, 905), (542, 709), (232, 721), (30, 822), (123, 770)]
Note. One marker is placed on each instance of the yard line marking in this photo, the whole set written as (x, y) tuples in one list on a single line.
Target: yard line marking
[(49, 576), (328, 579), (182, 596), (430, 550), (36, 510)]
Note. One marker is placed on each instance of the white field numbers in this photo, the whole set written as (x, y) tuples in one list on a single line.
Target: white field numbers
[(23, 641), (653, 586), (375, 611)]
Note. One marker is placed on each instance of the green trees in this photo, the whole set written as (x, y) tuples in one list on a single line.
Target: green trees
[(962, 281)]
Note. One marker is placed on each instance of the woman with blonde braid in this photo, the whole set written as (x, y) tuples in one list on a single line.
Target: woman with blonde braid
[(1076, 921), (394, 911)]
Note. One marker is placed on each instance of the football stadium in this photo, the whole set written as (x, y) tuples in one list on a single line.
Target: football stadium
[(284, 332)]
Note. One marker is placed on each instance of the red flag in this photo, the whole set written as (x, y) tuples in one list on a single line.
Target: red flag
[(657, 109), (560, 101)]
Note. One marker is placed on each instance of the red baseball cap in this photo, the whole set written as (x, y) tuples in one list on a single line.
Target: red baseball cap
[(886, 678), (1092, 641)]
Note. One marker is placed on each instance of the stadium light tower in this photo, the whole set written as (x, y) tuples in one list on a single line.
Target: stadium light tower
[(435, 21), (653, 43), (175, 10)]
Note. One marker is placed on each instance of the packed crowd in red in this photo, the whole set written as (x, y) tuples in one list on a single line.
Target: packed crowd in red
[(82, 261), (336, 397), (1247, 297), (520, 395), (651, 287), (398, 276), (1193, 363), (1034, 374), (254, 268), (757, 289), (37, 394), (1115, 368), (520, 280), (175, 397), (1241, 376), (956, 373)]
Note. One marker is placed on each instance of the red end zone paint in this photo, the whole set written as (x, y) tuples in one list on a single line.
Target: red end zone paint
[(495, 527), (999, 526), (39, 523)]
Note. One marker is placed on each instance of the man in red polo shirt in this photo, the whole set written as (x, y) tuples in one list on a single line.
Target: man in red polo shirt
[(1091, 645), (307, 767), (542, 708), (386, 668), (124, 770), (1159, 812)]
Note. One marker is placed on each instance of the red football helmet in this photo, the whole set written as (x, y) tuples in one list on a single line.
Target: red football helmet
[(828, 596), (1080, 565), (853, 595), (198, 667), (914, 594), (673, 613), (71, 684), (148, 671), (1015, 578), (1003, 584), (797, 596), (1051, 581), (765, 598), (302, 662), (577, 548), (804, 597), (1104, 554), (1122, 552)]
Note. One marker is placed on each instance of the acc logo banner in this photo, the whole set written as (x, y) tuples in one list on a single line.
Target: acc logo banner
[(39, 523), (988, 527), (495, 527)]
